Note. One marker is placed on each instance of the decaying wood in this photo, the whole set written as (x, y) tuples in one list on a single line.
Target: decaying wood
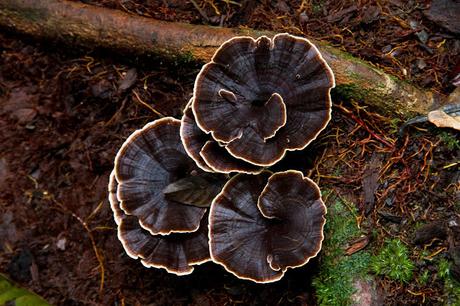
[(79, 24)]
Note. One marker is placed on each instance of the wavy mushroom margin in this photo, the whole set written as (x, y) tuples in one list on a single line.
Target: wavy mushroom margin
[(283, 152), (279, 273), (120, 219)]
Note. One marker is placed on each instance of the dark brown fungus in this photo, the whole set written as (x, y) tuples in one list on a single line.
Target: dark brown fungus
[(208, 153), (295, 201), (221, 161), (260, 225), (177, 253), (193, 138), (151, 159), (263, 97)]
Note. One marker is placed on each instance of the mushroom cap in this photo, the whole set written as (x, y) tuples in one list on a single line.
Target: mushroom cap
[(149, 160), (260, 225), (206, 152), (176, 253), (263, 97), (294, 200)]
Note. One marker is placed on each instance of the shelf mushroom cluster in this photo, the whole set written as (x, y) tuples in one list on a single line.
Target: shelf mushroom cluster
[(187, 191)]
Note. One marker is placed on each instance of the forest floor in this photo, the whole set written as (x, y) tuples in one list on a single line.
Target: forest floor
[(393, 199)]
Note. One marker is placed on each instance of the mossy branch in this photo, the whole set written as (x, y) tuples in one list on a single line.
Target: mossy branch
[(79, 24)]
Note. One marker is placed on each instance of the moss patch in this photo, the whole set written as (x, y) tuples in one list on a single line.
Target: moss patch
[(334, 282), (451, 286), (393, 262)]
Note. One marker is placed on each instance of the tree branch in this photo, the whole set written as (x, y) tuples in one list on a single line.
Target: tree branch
[(79, 24)]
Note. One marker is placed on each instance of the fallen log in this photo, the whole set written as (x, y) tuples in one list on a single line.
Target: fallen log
[(79, 24)]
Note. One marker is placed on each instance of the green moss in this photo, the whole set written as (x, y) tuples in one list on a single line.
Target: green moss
[(451, 286), (350, 92), (393, 262), (424, 277), (449, 140), (184, 59), (334, 282), (317, 7), (443, 268), (395, 123)]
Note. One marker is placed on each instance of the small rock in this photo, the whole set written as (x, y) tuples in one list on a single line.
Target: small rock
[(303, 18), (102, 89), (386, 49), (390, 217), (366, 294), (422, 36), (421, 64), (60, 244), (414, 25)]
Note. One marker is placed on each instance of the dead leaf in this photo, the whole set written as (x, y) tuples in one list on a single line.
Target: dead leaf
[(370, 182), (357, 245), (128, 80), (371, 14), (24, 115), (193, 190), (337, 16), (441, 119)]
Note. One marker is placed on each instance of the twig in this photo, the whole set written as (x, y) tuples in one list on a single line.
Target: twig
[(146, 105), (90, 235), (200, 10), (364, 125)]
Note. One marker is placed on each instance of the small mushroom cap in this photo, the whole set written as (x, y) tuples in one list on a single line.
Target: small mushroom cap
[(263, 97), (148, 161), (176, 253), (294, 200), (259, 237), (237, 237), (207, 153)]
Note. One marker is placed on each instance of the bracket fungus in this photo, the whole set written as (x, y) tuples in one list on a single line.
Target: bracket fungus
[(260, 98), (208, 154), (159, 198), (148, 161), (177, 253), (259, 226), (255, 100)]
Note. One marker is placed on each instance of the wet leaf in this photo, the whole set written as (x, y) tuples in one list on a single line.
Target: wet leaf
[(193, 190)]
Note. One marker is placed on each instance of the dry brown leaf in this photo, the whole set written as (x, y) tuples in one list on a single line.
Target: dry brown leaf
[(441, 119)]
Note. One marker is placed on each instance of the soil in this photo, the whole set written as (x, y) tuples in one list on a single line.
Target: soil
[(64, 114)]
